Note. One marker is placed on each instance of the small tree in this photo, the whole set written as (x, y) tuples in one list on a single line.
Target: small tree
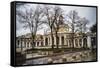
[(82, 25), (77, 24), (93, 29)]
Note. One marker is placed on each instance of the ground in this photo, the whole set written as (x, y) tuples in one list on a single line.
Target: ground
[(63, 55)]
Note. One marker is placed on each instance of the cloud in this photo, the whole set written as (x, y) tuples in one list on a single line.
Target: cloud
[(87, 12)]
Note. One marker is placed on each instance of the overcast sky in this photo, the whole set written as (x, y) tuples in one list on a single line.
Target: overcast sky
[(87, 12)]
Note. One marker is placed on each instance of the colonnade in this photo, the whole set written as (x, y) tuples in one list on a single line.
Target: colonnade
[(67, 42), (63, 41)]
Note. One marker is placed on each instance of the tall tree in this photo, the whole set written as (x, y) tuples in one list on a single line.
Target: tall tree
[(77, 24), (31, 18), (72, 18), (58, 21), (53, 15), (49, 21)]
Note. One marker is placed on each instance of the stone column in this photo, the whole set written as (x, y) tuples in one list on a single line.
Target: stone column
[(82, 42), (39, 43), (29, 44), (78, 43), (44, 40), (23, 43), (35, 43), (20, 43), (26, 44), (74, 44), (48, 42), (64, 39), (60, 40), (54, 40), (89, 41), (68, 44), (17, 44)]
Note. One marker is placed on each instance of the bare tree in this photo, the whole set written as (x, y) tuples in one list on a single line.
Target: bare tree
[(58, 21), (77, 24), (72, 19), (82, 25), (53, 16), (49, 21), (31, 18)]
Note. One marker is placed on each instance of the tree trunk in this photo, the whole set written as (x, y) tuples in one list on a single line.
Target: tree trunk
[(56, 39), (72, 37), (72, 40), (33, 43), (33, 40), (52, 39), (21, 46)]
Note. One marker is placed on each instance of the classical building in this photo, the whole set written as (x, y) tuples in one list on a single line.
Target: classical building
[(64, 40)]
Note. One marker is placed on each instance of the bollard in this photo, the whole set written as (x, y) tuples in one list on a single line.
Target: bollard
[(64, 59), (50, 61)]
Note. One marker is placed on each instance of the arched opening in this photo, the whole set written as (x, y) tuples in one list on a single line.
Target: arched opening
[(85, 42), (62, 39), (57, 40), (46, 41), (25, 42), (67, 43), (28, 44), (41, 43), (18, 44), (37, 43), (76, 42), (70, 43), (52, 40), (80, 42)]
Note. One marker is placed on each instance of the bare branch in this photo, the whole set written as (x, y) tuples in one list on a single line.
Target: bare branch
[(31, 18)]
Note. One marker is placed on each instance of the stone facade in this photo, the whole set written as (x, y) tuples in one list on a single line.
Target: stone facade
[(64, 40)]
